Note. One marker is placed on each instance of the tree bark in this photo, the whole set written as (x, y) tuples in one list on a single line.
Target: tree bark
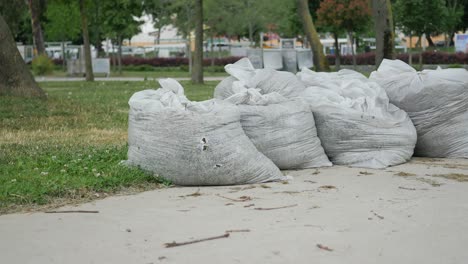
[(64, 57), (112, 56), (212, 51), (119, 55), (410, 58), (320, 61), (451, 40), (97, 28), (251, 34), (384, 39), (197, 70), (38, 38), (87, 46), (15, 77), (353, 54), (420, 53), (158, 37), (429, 40), (337, 52), (189, 54)]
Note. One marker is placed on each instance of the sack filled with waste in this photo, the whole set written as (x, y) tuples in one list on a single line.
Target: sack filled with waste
[(282, 129), (437, 103), (355, 121), (266, 80), (193, 143)]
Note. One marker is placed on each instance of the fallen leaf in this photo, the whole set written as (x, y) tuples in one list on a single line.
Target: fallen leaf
[(324, 247), (327, 187)]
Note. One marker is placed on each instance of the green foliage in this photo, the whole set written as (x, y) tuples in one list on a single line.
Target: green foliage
[(42, 65), (420, 16), (453, 17), (184, 68), (14, 12), (455, 66), (222, 17), (347, 15), (119, 18), (138, 68), (63, 21), (183, 19), (291, 26), (160, 11), (464, 20), (68, 148)]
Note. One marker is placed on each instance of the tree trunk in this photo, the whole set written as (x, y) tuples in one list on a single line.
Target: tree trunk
[(38, 38), (212, 52), (197, 71), (384, 39), (320, 61), (451, 40), (112, 55), (410, 58), (420, 52), (97, 27), (429, 40), (15, 77), (64, 65), (250, 34), (337, 52), (353, 54), (189, 54), (158, 36), (119, 55), (87, 47)]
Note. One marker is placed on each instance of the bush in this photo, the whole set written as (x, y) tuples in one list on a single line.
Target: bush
[(361, 59), (138, 68), (42, 65), (428, 57), (455, 66), (173, 62), (215, 68)]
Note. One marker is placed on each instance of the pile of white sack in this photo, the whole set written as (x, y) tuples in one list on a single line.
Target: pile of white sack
[(193, 143), (263, 120), (436, 101), (356, 123), (282, 129)]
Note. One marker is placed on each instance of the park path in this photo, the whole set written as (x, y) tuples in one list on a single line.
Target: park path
[(129, 79), (403, 214)]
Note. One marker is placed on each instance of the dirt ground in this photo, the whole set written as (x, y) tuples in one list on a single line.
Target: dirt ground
[(412, 213)]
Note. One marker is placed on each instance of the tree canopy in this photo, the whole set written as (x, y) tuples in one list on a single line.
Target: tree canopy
[(420, 16), (63, 21)]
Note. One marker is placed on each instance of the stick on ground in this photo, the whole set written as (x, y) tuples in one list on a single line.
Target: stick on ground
[(72, 211), (406, 188), (177, 244), (241, 199), (274, 208), (237, 230)]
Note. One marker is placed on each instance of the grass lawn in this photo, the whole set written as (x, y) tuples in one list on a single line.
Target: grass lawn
[(67, 149)]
